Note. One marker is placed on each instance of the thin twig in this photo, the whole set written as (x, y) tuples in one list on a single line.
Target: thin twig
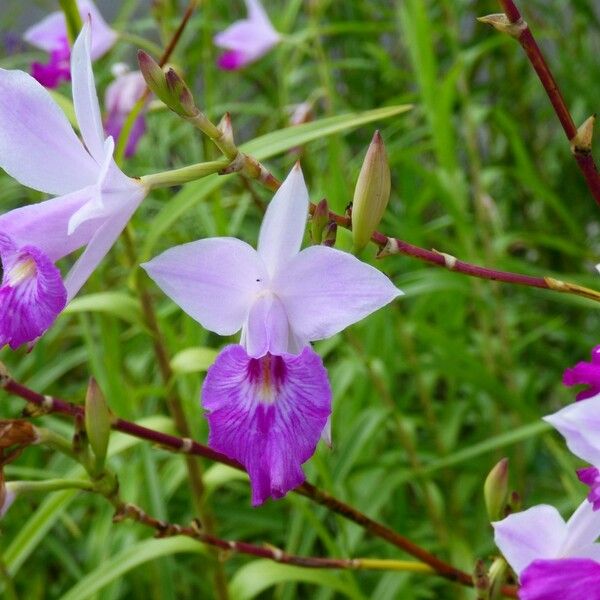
[(581, 149), (186, 445)]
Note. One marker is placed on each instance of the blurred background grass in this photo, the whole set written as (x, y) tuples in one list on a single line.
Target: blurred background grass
[(428, 393)]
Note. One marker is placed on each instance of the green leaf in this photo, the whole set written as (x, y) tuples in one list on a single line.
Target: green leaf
[(256, 577), (193, 360), (117, 304), (128, 559), (260, 148)]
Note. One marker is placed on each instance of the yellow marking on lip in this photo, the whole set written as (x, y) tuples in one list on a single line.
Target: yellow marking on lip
[(21, 271), (267, 389)]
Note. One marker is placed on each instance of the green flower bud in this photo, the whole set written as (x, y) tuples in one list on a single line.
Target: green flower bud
[(371, 194), (154, 76), (319, 220), (497, 576), (330, 235), (97, 423), (495, 490), (182, 101)]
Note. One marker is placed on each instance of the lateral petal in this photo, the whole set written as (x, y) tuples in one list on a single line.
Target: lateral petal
[(214, 280), (85, 98), (284, 222), (38, 146), (268, 414), (325, 290), (536, 533)]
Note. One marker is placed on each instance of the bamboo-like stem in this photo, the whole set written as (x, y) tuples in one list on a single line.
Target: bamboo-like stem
[(195, 531), (191, 447), (581, 150)]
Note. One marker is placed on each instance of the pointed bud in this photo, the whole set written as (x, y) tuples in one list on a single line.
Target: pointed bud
[(226, 128), (153, 75), (97, 423), (495, 490), (582, 142), (371, 194), (318, 221), (330, 235), (497, 577), (182, 101)]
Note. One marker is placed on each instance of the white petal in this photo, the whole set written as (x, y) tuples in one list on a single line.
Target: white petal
[(325, 290), (583, 529), (284, 223), (38, 147), (536, 533), (214, 280), (579, 423), (85, 98), (267, 327)]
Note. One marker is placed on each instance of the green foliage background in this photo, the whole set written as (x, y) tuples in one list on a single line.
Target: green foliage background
[(428, 393)]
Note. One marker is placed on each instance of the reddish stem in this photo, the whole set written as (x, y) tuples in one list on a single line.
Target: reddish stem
[(583, 156), (189, 446)]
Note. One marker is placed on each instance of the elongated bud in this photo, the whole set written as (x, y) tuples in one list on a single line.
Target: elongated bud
[(371, 194), (330, 235), (495, 490), (153, 75), (318, 221), (182, 101), (97, 423), (497, 577)]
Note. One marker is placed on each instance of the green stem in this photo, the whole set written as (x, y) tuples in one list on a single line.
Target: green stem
[(183, 175), (49, 485), (140, 42), (73, 18)]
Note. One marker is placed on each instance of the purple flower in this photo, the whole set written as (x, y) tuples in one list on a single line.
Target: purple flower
[(269, 400), (95, 199), (247, 40), (540, 533), (121, 96), (585, 373), (566, 579), (50, 35)]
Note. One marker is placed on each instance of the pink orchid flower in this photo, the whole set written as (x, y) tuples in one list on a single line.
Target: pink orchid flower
[(579, 423), (50, 35), (94, 202), (268, 399), (553, 559), (247, 40), (120, 98)]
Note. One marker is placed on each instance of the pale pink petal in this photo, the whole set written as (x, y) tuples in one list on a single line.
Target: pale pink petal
[(284, 222), (102, 241), (214, 280), (579, 423), (85, 98), (583, 529), (47, 33), (268, 414), (536, 533), (267, 328), (38, 147), (324, 290), (45, 224), (566, 579), (103, 37)]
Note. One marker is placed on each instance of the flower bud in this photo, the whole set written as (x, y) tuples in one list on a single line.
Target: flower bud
[(226, 129), (182, 101), (330, 235), (371, 194), (495, 490), (318, 221), (97, 423), (497, 576), (154, 76)]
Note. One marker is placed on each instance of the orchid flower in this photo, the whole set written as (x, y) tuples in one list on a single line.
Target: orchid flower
[(579, 423), (50, 35), (550, 555), (95, 199), (247, 40), (268, 399), (121, 96)]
